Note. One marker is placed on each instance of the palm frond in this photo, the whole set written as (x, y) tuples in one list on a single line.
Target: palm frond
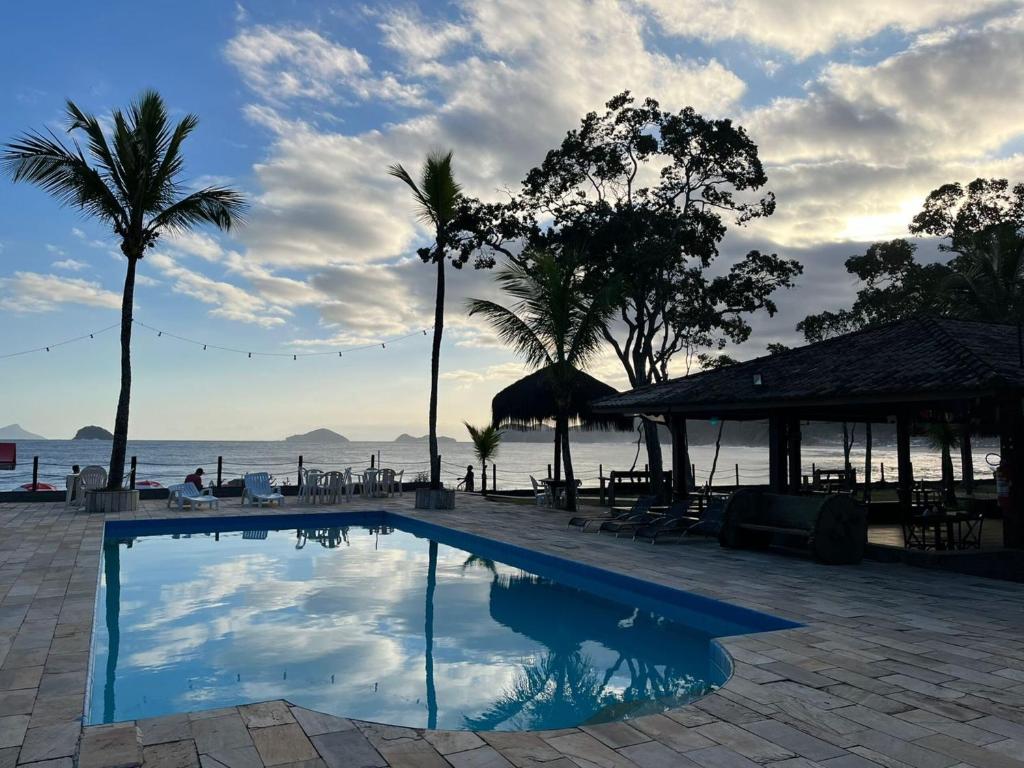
[(423, 209), (220, 206), (439, 185), (62, 173), (98, 146), (486, 440), (513, 330)]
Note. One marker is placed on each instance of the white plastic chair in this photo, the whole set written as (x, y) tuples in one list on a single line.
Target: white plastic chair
[(540, 493), (187, 493), (370, 483), (256, 489), (387, 482), (396, 483), (74, 497), (92, 477), (310, 487), (333, 487)]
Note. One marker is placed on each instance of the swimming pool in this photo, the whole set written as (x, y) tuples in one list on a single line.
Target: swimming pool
[(381, 617)]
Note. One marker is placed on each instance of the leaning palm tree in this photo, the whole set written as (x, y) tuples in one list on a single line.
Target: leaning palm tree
[(437, 197), (554, 323), (132, 183), (485, 445)]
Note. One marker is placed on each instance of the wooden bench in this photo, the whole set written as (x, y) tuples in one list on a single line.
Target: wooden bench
[(831, 526)]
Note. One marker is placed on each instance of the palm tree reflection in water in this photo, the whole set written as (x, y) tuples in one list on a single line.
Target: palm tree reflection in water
[(563, 686)]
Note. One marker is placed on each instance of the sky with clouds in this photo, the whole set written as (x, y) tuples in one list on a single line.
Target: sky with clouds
[(859, 109)]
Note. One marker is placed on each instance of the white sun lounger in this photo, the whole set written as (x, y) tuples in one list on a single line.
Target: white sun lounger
[(187, 493), (257, 490)]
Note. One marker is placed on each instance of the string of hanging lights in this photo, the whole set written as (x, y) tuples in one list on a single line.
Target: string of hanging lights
[(206, 345)]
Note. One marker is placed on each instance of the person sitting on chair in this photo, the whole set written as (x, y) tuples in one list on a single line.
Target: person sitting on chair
[(196, 478)]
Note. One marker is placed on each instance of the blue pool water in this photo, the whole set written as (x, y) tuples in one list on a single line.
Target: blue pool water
[(384, 618)]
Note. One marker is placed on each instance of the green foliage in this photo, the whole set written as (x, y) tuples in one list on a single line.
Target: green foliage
[(486, 441)]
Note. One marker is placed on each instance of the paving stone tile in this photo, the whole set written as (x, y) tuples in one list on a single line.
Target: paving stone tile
[(719, 757), (20, 677), (961, 751), (217, 734), (522, 748), (667, 731), (110, 746), (53, 710), (744, 742), (879, 721), (206, 714), (583, 746), (265, 714), (50, 741), (12, 730), (850, 761), (171, 754), (17, 702), (652, 754), (939, 724), (9, 757), (408, 753), (480, 757), (795, 740), (63, 683), (60, 762), (912, 754), (157, 730), (315, 723), (447, 742), (237, 757), (616, 734), (348, 749), (280, 744)]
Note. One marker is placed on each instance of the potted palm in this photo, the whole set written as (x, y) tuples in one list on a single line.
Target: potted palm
[(133, 184), (485, 445)]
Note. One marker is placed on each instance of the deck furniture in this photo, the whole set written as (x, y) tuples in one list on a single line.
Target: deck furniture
[(628, 483), (92, 477), (392, 482), (256, 489), (187, 493), (370, 487), (832, 526), (311, 488), (702, 515), (75, 494), (557, 491), (642, 505), (540, 493), (653, 519), (335, 486)]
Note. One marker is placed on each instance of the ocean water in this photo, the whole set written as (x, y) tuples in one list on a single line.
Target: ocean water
[(421, 628), (168, 461)]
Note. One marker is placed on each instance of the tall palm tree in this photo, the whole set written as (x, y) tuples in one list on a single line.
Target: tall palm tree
[(485, 445), (132, 183), (944, 436), (437, 197), (989, 274), (553, 323)]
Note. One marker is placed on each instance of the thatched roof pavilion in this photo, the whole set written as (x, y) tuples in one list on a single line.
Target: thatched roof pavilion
[(910, 371), (530, 402)]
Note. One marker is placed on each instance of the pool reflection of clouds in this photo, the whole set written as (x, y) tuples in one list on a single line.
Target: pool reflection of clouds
[(208, 623)]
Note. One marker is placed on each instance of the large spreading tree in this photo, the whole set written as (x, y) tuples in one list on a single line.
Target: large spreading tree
[(648, 195), (132, 182)]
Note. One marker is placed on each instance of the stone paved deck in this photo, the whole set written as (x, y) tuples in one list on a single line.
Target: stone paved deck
[(894, 667)]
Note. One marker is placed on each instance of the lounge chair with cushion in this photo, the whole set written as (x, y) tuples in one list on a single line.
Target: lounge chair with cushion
[(257, 490), (707, 521), (659, 517), (642, 506), (187, 493)]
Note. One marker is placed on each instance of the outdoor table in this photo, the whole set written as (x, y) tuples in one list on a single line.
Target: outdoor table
[(556, 491), (942, 523)]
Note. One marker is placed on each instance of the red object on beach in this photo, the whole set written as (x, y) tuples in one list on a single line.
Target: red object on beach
[(148, 484), (8, 455), (39, 487)]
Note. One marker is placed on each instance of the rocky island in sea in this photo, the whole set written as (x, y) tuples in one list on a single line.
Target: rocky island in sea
[(321, 435), (93, 433)]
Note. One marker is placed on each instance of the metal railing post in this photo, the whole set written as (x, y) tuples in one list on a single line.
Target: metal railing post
[(35, 473)]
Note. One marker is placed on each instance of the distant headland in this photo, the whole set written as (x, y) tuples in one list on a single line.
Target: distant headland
[(93, 433), (407, 438), (317, 436), (15, 432)]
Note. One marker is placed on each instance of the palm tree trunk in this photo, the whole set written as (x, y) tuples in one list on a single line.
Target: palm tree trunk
[(120, 445), (966, 459), (570, 478), (714, 462), (948, 483), (435, 361), (428, 635), (483, 478), (558, 449), (654, 461)]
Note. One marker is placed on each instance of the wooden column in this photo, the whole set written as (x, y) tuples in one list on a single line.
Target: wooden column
[(680, 458), (904, 469), (776, 453), (1011, 453), (793, 444)]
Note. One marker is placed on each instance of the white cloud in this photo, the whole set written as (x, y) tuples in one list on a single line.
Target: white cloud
[(55, 250), (495, 376), (36, 292), (802, 28), (71, 265), (410, 36), (288, 63)]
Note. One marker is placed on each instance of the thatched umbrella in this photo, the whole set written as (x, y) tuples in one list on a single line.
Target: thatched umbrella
[(530, 403)]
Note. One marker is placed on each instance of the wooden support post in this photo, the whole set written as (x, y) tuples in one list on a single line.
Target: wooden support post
[(220, 470), (131, 473), (966, 458), (494, 478), (372, 463), (737, 475), (549, 471), (1011, 452), (298, 480), (680, 458), (35, 473), (904, 469), (793, 457), (600, 482), (776, 453)]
